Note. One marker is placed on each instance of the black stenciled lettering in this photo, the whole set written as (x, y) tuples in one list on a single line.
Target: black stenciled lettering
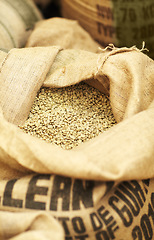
[(124, 14), (152, 199), (132, 15), (33, 190), (106, 30), (151, 209), (82, 192), (112, 228), (147, 31), (68, 238), (78, 225), (136, 201), (148, 11), (61, 190), (99, 27), (64, 221), (123, 211), (145, 230), (105, 215), (128, 14), (146, 184), (96, 222), (131, 202), (136, 189), (99, 11), (136, 233), (108, 220), (102, 236), (7, 199), (146, 227), (82, 237), (144, 32), (105, 12), (151, 212)]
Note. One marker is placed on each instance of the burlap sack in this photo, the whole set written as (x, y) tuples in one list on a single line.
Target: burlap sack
[(65, 33), (17, 103), (62, 32), (17, 19), (86, 209), (123, 23), (71, 185)]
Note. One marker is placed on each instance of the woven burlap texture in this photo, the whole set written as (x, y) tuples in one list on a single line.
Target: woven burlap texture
[(121, 148), (34, 226), (125, 152), (62, 32)]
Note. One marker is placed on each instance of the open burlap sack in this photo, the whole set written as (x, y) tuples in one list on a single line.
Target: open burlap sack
[(131, 94), (17, 19), (71, 185), (123, 23), (62, 32)]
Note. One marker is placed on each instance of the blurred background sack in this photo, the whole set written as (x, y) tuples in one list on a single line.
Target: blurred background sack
[(17, 19), (123, 23)]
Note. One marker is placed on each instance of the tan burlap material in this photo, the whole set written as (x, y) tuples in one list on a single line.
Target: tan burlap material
[(47, 32), (34, 226), (102, 189), (131, 94), (17, 19), (17, 96)]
